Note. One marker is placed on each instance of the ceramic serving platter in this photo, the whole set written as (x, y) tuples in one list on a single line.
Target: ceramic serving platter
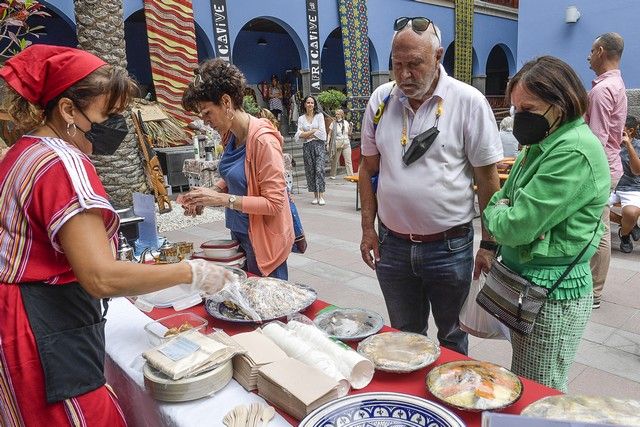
[(473, 385), (381, 410), (399, 352), (349, 324)]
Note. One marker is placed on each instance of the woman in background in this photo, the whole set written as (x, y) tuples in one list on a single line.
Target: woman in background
[(340, 143), (275, 97), (312, 132)]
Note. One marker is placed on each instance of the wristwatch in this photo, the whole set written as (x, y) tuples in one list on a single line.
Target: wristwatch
[(488, 245), (232, 200)]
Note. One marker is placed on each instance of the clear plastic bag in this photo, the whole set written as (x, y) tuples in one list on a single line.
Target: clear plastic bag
[(477, 321), (233, 293)]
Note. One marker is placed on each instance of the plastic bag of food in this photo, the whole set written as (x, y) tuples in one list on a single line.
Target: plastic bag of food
[(476, 321)]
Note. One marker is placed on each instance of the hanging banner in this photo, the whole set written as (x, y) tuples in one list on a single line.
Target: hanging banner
[(172, 51), (221, 29), (313, 31)]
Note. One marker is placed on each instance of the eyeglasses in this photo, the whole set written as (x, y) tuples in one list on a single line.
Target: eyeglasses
[(419, 24)]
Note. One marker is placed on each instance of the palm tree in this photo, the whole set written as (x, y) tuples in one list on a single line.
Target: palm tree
[(100, 27)]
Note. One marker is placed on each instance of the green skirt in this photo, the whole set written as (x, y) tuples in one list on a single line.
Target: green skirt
[(546, 354)]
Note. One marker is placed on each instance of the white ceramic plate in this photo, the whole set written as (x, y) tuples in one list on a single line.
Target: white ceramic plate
[(381, 409)]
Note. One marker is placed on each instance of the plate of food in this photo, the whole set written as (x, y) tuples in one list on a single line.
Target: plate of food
[(586, 409), (381, 409), (269, 298), (349, 324), (399, 351), (473, 385)]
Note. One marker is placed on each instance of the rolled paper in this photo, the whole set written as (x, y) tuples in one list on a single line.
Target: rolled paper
[(299, 349), (353, 366)]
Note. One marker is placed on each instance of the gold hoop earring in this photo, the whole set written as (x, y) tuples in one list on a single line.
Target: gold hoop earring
[(230, 115), (75, 129)]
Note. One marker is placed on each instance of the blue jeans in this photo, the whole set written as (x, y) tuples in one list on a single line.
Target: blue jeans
[(281, 272), (417, 277)]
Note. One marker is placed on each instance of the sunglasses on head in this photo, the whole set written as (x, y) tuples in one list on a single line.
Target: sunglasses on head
[(419, 24)]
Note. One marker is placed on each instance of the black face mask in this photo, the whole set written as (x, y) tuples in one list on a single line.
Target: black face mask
[(107, 136), (531, 128), (420, 145)]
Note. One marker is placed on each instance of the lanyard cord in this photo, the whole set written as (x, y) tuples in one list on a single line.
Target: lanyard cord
[(404, 139)]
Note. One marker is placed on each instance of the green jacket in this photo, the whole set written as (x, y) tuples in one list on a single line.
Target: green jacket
[(557, 189)]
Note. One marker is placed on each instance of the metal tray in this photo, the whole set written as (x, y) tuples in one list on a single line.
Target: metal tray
[(219, 310), (349, 324), (474, 386), (399, 352)]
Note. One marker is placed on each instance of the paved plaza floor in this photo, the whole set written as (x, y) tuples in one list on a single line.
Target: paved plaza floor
[(608, 361)]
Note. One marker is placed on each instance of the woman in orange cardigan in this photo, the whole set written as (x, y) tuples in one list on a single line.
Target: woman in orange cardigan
[(252, 187)]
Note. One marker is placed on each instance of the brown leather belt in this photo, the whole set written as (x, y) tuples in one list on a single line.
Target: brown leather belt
[(457, 231)]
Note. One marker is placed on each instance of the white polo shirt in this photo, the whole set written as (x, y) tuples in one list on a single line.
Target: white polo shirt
[(435, 192)]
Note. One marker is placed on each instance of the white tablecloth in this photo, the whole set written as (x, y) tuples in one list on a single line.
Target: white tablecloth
[(126, 340)]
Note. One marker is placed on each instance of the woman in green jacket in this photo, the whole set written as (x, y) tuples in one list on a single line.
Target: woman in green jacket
[(548, 211)]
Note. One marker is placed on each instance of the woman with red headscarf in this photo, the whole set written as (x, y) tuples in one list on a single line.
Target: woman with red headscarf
[(57, 234)]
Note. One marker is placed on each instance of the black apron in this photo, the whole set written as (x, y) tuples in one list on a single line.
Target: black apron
[(68, 325)]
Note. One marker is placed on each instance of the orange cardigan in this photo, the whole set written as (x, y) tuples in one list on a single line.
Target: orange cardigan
[(266, 202)]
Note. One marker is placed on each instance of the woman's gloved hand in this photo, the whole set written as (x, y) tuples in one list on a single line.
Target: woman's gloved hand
[(207, 277)]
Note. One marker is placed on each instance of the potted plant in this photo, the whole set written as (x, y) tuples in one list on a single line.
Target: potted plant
[(331, 100)]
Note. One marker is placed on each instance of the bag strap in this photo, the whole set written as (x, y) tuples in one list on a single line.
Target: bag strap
[(575, 261)]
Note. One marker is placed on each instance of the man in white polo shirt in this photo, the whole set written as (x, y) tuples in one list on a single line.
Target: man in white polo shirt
[(423, 251)]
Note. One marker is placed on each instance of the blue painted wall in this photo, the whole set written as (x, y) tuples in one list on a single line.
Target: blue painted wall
[(488, 32), (542, 31)]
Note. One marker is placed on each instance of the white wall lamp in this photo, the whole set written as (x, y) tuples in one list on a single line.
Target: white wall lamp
[(571, 15)]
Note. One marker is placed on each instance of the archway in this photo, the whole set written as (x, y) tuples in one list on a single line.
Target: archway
[(497, 71), (449, 58), (58, 28), (332, 61), (266, 46), (138, 62), (205, 49)]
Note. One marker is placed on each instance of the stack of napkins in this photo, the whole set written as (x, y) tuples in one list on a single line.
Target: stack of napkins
[(188, 354), (295, 387), (260, 351)]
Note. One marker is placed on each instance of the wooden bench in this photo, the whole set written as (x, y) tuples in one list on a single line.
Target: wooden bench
[(356, 179)]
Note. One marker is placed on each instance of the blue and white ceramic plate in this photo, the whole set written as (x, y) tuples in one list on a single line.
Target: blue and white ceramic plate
[(381, 410)]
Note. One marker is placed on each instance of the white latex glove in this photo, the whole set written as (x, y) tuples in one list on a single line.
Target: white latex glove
[(207, 277)]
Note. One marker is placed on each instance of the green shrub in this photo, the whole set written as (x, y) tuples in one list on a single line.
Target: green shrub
[(331, 100)]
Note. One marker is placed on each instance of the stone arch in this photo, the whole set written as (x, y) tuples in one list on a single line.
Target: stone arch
[(137, 44), (448, 60), (203, 44), (246, 56), (59, 29), (497, 71), (332, 60)]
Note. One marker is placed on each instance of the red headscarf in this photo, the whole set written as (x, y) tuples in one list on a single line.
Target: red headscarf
[(41, 72)]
